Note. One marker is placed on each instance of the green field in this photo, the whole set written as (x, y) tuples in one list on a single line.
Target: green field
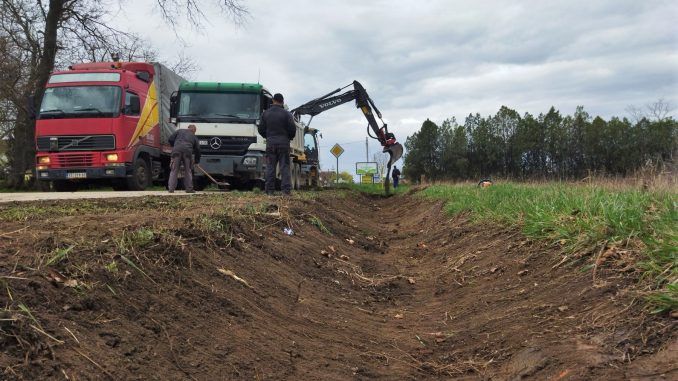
[(587, 221)]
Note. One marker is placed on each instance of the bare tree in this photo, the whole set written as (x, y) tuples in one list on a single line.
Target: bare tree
[(37, 36), (382, 160), (658, 111)]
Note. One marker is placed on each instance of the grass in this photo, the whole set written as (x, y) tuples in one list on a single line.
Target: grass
[(136, 239), (59, 255), (584, 219), (376, 189)]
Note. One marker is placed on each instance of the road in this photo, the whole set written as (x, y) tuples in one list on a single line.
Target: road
[(41, 196)]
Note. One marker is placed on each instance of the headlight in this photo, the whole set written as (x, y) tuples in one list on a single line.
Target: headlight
[(43, 159), (249, 161), (112, 157)]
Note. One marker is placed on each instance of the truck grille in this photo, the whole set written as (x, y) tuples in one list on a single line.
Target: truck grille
[(76, 142), (67, 160), (225, 145)]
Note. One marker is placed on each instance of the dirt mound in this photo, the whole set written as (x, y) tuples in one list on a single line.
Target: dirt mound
[(212, 287)]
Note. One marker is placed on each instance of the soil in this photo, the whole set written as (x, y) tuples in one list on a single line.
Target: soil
[(212, 288)]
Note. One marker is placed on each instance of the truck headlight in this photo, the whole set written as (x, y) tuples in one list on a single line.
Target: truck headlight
[(112, 157), (249, 161), (43, 159)]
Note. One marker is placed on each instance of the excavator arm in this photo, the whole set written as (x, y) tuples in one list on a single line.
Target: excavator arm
[(369, 109)]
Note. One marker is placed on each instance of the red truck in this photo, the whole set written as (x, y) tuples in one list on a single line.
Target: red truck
[(106, 122)]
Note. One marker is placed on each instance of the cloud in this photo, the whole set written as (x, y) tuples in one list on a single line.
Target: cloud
[(437, 59)]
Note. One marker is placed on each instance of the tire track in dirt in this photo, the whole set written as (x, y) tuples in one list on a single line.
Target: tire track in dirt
[(392, 289)]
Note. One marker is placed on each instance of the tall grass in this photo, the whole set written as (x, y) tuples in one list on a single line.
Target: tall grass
[(583, 219)]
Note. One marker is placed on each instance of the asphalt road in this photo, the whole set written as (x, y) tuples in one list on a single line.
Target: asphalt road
[(39, 196)]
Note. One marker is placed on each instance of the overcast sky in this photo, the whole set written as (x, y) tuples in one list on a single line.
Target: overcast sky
[(434, 59)]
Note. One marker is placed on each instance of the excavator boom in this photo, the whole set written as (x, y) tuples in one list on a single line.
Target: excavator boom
[(369, 110)]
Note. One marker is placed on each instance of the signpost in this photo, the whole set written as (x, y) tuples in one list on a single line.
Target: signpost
[(337, 150), (366, 170)]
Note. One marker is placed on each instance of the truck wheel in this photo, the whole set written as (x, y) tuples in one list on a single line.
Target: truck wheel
[(298, 182), (64, 186), (141, 176)]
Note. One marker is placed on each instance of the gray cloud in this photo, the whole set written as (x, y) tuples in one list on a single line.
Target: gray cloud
[(437, 59)]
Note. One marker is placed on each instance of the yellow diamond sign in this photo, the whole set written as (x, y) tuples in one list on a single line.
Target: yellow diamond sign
[(337, 150)]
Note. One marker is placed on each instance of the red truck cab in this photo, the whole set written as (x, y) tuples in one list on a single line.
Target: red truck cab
[(103, 122)]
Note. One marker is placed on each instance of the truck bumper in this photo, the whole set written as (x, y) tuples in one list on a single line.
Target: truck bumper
[(247, 167), (83, 173)]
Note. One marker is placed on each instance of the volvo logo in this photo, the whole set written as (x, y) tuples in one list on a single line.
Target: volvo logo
[(215, 143), (330, 103)]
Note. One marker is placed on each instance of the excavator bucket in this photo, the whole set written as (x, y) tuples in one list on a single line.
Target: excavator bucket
[(395, 152)]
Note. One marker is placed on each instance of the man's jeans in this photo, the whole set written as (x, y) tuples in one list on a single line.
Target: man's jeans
[(175, 164), (278, 154), (395, 182)]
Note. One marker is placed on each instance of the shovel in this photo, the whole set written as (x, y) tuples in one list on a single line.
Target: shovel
[(221, 185)]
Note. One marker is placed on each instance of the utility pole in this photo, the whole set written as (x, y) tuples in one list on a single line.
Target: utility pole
[(367, 150)]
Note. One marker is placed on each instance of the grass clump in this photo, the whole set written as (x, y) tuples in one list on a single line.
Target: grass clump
[(582, 219), (139, 238), (317, 222)]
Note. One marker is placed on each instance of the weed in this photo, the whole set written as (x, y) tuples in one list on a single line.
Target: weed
[(59, 254), (315, 221), (136, 239), (28, 312), (213, 224), (112, 267), (134, 266)]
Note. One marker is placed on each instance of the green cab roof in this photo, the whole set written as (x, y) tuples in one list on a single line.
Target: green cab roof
[(220, 86)]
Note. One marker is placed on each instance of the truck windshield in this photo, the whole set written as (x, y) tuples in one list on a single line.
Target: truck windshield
[(81, 102), (233, 105)]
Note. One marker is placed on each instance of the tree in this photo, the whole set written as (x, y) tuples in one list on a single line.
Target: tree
[(382, 161), (423, 152), (39, 35)]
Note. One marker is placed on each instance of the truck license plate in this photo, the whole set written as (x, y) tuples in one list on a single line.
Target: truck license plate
[(76, 175)]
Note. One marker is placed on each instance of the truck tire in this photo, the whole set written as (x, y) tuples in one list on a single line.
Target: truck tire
[(64, 186), (141, 176), (297, 176)]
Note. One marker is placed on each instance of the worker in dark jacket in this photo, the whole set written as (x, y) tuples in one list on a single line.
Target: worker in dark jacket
[(277, 126), (396, 176), (184, 146)]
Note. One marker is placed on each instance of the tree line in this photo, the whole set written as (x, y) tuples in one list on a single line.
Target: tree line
[(547, 146)]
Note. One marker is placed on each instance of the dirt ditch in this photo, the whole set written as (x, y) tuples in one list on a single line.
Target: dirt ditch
[(211, 288)]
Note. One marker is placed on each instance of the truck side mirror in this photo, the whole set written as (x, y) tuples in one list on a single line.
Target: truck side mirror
[(134, 106), (30, 107), (173, 105)]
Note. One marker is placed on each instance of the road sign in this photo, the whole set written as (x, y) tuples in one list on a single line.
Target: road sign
[(367, 179), (366, 168), (337, 150)]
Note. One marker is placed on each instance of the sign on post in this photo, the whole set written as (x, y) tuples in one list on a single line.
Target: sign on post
[(337, 150), (366, 168), (366, 179)]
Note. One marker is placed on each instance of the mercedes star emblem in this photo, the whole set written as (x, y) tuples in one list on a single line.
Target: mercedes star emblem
[(215, 143)]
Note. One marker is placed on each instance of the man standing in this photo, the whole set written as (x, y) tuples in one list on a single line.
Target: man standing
[(396, 176), (278, 128), (184, 146)]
